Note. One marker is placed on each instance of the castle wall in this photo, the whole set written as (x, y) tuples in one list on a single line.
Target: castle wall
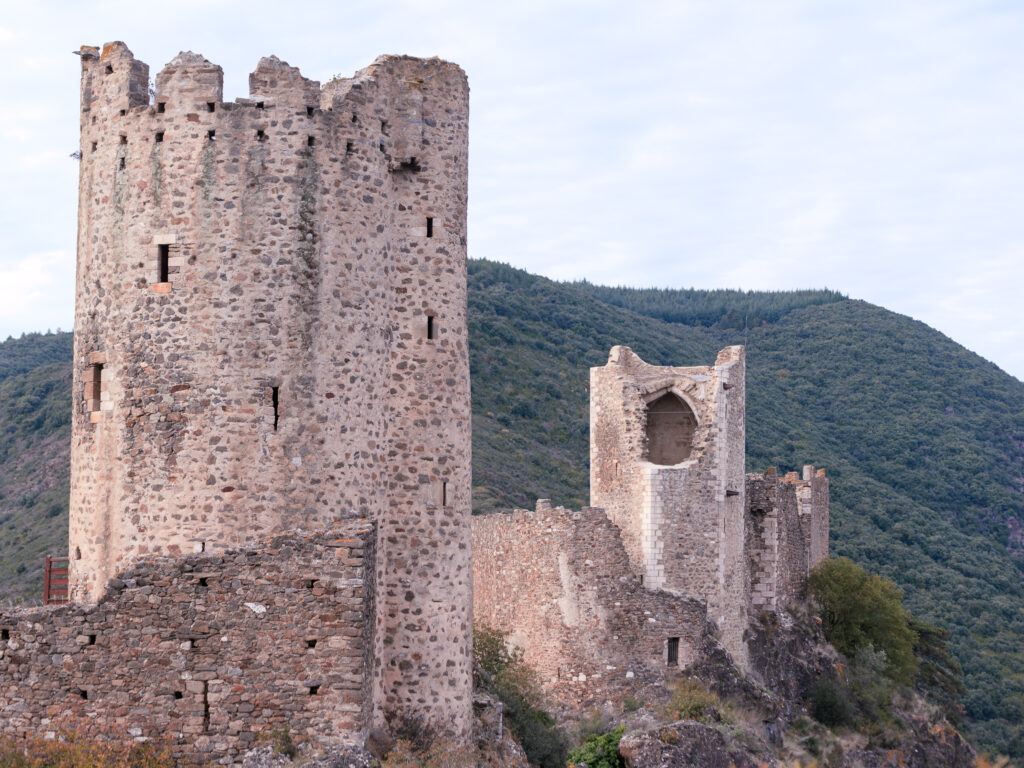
[(255, 279), (560, 582), (210, 652), (682, 525), (784, 515)]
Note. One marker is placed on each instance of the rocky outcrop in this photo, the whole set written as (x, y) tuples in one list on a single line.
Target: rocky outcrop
[(683, 744)]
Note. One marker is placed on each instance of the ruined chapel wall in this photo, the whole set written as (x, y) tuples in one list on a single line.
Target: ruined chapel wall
[(299, 262), (560, 583), (683, 525), (211, 652)]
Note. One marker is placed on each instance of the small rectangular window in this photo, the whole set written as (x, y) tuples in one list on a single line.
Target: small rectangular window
[(164, 263), (261, 136), (309, 111), (5, 634), (348, 147), (110, 69), (161, 106), (158, 137), (310, 141), (94, 145), (444, 493), (211, 135), (124, 139), (430, 226), (673, 651), (260, 105), (431, 327), (211, 106)]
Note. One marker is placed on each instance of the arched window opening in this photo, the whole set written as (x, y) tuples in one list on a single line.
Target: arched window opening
[(670, 428)]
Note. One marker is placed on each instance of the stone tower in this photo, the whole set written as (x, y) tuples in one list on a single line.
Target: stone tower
[(667, 465), (270, 334)]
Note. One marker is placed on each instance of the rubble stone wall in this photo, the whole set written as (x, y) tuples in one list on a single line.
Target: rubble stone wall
[(208, 651), (560, 582), (270, 333)]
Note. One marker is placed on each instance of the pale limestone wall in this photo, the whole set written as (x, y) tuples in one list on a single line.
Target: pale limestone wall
[(682, 525), (560, 583), (299, 262)]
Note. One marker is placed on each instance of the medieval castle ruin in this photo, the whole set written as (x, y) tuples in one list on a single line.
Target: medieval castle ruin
[(679, 542), (270, 502)]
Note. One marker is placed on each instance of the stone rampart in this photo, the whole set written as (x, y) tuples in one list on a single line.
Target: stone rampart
[(560, 582), (208, 651)]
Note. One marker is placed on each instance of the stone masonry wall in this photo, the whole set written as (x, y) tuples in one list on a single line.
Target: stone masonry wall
[(208, 651), (271, 293), (784, 514), (682, 525), (560, 582)]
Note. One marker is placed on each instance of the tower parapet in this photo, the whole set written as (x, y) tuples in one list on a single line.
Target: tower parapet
[(270, 334)]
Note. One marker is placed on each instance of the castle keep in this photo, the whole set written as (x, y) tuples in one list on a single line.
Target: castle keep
[(270, 336), (681, 548)]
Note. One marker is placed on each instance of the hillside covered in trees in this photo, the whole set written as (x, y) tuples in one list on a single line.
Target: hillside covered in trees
[(922, 439)]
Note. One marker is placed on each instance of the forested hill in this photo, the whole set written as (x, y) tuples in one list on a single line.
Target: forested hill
[(922, 439)]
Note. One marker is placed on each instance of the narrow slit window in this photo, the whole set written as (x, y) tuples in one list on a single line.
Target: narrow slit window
[(261, 135), (120, 164), (211, 106), (95, 144), (164, 263), (673, 651), (124, 139), (159, 137), (348, 147), (310, 141), (94, 387), (444, 493), (275, 401), (78, 553), (430, 226), (5, 634), (161, 106), (431, 327)]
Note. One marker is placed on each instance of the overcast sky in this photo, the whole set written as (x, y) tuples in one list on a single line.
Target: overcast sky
[(875, 148)]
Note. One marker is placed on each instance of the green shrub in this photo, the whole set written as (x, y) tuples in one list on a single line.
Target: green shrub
[(692, 701), (829, 703), (600, 751), (503, 671), (861, 610)]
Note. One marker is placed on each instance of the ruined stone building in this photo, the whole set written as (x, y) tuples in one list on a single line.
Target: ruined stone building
[(270, 336), (679, 545)]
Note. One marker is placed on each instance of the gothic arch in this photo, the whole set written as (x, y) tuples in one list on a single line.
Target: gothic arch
[(671, 425)]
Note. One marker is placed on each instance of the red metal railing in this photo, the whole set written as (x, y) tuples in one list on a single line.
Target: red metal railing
[(55, 580)]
